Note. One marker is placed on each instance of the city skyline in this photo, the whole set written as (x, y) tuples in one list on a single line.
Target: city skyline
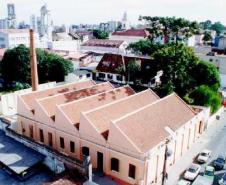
[(76, 12)]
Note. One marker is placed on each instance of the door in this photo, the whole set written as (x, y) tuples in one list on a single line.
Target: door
[(100, 162)]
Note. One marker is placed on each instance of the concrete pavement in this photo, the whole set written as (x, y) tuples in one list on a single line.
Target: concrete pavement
[(213, 139)]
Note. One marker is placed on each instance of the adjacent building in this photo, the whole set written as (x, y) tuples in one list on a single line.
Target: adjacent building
[(105, 46), (130, 35), (116, 127), (10, 38), (114, 68)]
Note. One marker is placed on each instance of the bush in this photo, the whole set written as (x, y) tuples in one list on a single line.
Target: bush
[(205, 96)]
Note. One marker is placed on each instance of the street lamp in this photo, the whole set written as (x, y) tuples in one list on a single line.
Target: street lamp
[(168, 152)]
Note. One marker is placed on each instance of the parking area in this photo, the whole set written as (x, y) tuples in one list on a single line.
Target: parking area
[(214, 139)]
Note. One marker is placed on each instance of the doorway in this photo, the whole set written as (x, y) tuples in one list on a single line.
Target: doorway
[(100, 162)]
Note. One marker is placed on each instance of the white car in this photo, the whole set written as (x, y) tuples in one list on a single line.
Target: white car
[(204, 156), (183, 182), (192, 172)]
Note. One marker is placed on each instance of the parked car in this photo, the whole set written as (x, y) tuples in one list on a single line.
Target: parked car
[(183, 182), (207, 178), (192, 172), (204, 156), (222, 180), (219, 163)]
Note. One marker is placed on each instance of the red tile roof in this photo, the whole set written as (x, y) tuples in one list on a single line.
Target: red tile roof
[(111, 62), (102, 116), (131, 32), (103, 43), (49, 104), (74, 109), (142, 125), (30, 98)]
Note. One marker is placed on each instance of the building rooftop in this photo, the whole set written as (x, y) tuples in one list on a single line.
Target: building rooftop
[(102, 116), (30, 98), (14, 30), (74, 109), (50, 103), (131, 32), (111, 62), (142, 125), (103, 43)]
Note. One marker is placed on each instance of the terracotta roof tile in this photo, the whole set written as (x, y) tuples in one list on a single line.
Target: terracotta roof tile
[(29, 98), (103, 43), (74, 109), (131, 32), (102, 116), (49, 104), (142, 125)]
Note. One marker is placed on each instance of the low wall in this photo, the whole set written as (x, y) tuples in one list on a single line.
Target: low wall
[(213, 117), (8, 102)]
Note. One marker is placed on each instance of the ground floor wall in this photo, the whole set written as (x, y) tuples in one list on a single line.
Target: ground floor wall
[(118, 165)]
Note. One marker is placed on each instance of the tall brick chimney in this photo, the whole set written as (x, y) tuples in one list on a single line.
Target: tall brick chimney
[(33, 63)]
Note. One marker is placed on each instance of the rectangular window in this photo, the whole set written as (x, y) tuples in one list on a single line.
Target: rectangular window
[(115, 164), (119, 77), (31, 130), (41, 135), (72, 147), (110, 76), (101, 75), (50, 138), (132, 171), (62, 142)]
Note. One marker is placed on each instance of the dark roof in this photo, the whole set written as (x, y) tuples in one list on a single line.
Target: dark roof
[(104, 43), (111, 62), (131, 32)]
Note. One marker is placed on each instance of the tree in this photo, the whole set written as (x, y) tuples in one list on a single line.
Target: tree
[(207, 37), (98, 34), (218, 27), (170, 27), (15, 66), (205, 96), (133, 71), (206, 25), (144, 47)]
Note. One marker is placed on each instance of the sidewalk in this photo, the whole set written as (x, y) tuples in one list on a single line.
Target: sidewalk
[(185, 161)]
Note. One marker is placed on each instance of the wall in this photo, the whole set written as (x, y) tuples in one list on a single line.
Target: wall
[(128, 39), (8, 102)]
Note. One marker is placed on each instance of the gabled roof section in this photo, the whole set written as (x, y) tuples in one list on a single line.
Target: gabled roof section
[(103, 43), (29, 99), (131, 33), (102, 116), (73, 110), (111, 62), (50, 103), (142, 125)]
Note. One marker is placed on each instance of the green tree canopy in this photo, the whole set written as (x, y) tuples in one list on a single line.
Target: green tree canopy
[(170, 27), (15, 66), (98, 34), (218, 27), (205, 96), (207, 37)]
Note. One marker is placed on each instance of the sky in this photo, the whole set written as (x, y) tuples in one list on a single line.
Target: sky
[(96, 11)]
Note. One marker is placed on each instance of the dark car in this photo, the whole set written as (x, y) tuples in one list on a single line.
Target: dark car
[(219, 163)]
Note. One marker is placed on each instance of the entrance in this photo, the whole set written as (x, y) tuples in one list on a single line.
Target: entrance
[(100, 162)]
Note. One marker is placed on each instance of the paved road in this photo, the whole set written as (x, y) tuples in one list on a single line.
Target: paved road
[(214, 139)]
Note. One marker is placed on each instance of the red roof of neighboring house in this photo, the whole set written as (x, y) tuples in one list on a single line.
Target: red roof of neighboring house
[(111, 62), (132, 33), (104, 43)]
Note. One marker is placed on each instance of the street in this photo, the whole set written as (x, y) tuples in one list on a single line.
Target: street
[(213, 139)]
